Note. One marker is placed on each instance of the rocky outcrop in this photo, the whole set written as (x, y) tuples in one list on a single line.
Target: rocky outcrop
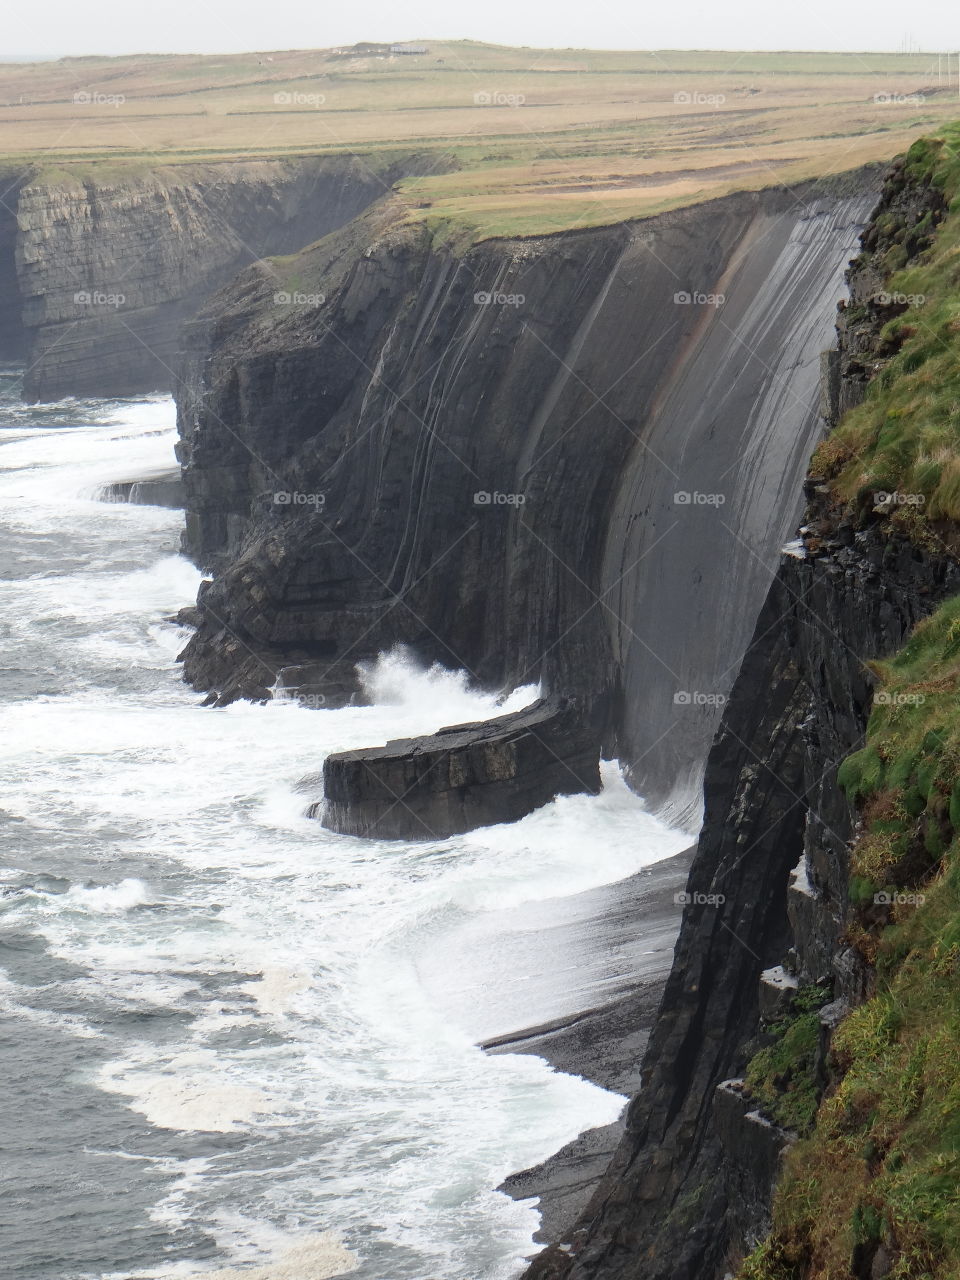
[(753, 1148), (688, 1191), (508, 459), (108, 269), (467, 776)]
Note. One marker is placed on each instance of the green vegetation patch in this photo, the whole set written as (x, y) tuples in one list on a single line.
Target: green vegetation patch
[(880, 1169), (904, 438), (782, 1076)]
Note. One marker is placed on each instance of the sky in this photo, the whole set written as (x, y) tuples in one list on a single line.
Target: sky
[(58, 27)]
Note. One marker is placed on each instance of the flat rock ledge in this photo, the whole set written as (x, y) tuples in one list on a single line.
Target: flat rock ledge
[(152, 491), (466, 776)]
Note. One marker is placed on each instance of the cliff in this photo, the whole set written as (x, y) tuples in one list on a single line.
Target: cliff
[(429, 453), (99, 272), (767, 964), (568, 459)]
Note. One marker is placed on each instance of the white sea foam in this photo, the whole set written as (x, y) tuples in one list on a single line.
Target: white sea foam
[(109, 899), (396, 679), (191, 1093), (317, 1258), (289, 954), (276, 987)]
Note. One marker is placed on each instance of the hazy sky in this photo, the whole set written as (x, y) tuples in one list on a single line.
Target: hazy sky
[(213, 26)]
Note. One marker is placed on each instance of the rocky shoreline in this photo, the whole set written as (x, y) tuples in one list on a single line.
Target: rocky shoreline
[(603, 1044), (338, 471)]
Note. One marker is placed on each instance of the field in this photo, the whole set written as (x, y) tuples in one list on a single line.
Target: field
[(543, 139)]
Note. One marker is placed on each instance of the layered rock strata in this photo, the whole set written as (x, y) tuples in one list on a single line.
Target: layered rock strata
[(567, 460), (99, 273)]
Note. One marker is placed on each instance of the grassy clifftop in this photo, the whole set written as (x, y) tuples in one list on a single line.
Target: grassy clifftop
[(544, 139), (872, 1186)]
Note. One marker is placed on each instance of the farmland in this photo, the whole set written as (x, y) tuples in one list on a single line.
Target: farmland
[(526, 140)]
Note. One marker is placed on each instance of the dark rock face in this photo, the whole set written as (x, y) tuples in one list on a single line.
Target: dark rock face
[(13, 338), (688, 1191), (467, 776), (661, 1204), (753, 1149), (775, 820), (507, 459), (106, 273)]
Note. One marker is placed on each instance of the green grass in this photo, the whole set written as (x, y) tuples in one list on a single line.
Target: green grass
[(883, 1163), (781, 1077), (905, 437), (884, 1160)]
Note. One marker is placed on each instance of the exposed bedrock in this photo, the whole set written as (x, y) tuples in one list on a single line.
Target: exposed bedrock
[(467, 776), (99, 274), (689, 1189), (569, 459)]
